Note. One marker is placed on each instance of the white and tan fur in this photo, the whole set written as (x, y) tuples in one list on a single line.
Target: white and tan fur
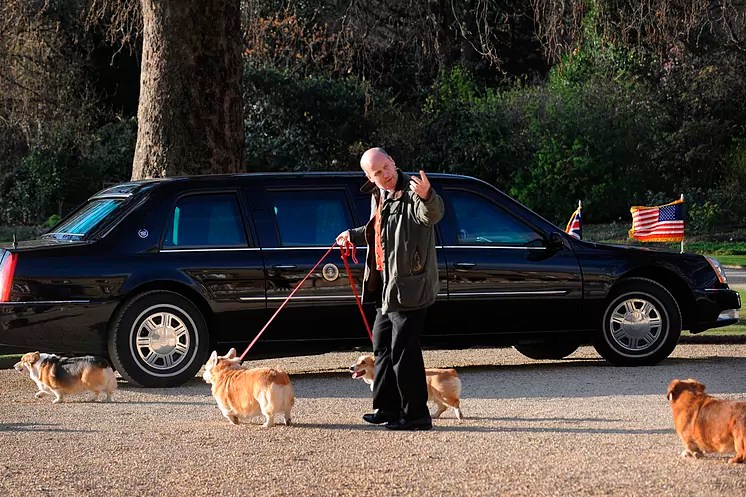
[(443, 385), (60, 376), (705, 423), (243, 392)]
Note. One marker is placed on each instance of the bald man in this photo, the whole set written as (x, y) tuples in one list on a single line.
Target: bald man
[(401, 277)]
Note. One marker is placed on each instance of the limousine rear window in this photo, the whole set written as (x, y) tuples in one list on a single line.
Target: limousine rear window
[(82, 222), (206, 220)]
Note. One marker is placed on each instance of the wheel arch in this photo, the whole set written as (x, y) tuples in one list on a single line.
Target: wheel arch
[(672, 282)]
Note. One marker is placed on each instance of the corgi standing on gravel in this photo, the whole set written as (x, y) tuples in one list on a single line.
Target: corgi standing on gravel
[(243, 392), (60, 376), (443, 385)]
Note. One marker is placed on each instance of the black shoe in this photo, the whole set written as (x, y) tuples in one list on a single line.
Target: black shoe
[(425, 423), (380, 417)]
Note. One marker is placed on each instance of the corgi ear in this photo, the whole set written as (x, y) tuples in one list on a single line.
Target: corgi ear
[(214, 356), (231, 353)]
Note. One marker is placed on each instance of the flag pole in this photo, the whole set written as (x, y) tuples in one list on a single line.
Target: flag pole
[(682, 236)]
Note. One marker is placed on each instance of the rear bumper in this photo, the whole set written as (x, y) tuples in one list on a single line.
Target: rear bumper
[(75, 327)]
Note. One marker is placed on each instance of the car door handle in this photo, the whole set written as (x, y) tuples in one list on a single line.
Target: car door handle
[(284, 266), (464, 265)]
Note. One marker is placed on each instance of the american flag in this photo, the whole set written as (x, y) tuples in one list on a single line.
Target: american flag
[(664, 223), (574, 225)]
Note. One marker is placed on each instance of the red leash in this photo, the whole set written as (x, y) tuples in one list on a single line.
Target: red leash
[(348, 250)]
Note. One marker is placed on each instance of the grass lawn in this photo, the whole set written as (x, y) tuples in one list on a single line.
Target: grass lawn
[(7, 361), (731, 260)]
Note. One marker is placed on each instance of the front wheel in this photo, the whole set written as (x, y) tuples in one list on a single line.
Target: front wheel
[(158, 339), (641, 324)]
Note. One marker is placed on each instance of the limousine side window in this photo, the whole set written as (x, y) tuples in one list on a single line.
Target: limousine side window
[(310, 218), (206, 220), (480, 222)]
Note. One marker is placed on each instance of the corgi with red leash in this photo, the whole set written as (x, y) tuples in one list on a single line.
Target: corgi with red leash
[(443, 385), (242, 392)]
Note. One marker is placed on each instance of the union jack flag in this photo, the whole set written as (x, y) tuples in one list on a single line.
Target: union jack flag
[(574, 225), (662, 223)]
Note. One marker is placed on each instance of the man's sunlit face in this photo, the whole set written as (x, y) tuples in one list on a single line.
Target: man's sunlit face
[(381, 171)]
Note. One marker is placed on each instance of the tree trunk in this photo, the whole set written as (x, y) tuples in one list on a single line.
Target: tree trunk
[(190, 118)]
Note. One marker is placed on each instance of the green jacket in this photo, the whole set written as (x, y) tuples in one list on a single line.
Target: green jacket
[(409, 279)]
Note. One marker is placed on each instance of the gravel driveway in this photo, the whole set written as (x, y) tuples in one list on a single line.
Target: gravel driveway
[(532, 428)]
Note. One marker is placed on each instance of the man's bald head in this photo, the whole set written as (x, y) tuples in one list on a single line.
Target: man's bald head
[(380, 168), (374, 157)]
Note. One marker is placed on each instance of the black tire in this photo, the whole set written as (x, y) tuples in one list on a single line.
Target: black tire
[(158, 339), (549, 350), (641, 324)]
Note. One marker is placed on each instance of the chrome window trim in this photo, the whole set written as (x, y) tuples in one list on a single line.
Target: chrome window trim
[(222, 249), (504, 247)]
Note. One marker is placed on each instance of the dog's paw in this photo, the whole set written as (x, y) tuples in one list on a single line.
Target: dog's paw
[(696, 454), (39, 395)]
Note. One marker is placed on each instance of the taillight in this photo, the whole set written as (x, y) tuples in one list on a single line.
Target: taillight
[(6, 276)]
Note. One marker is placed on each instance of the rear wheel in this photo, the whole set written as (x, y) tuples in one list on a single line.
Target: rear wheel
[(641, 325), (158, 339), (551, 350)]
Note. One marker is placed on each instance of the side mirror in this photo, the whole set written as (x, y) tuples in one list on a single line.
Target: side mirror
[(555, 241)]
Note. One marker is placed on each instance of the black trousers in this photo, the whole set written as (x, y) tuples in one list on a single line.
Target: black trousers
[(399, 385)]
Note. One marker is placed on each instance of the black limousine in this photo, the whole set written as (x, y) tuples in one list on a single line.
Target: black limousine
[(154, 274)]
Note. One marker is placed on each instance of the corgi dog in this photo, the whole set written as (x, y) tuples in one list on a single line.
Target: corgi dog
[(705, 423), (243, 392), (60, 376), (443, 385)]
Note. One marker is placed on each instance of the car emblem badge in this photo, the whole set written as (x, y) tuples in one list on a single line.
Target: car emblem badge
[(143, 233), (330, 272)]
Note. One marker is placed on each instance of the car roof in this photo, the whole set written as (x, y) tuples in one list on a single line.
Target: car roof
[(129, 188)]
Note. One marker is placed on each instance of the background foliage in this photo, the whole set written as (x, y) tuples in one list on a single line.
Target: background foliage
[(551, 102)]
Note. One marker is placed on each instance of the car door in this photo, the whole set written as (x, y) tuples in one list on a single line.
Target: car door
[(207, 242), (505, 275), (298, 220)]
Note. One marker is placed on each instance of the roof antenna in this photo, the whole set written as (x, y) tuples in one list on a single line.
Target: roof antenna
[(15, 245)]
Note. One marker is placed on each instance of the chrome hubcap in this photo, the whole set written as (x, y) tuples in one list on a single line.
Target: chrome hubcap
[(162, 339), (635, 324)]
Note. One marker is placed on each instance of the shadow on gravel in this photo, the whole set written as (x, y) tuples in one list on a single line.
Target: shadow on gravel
[(211, 401), (571, 377), (534, 429), (38, 427)]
